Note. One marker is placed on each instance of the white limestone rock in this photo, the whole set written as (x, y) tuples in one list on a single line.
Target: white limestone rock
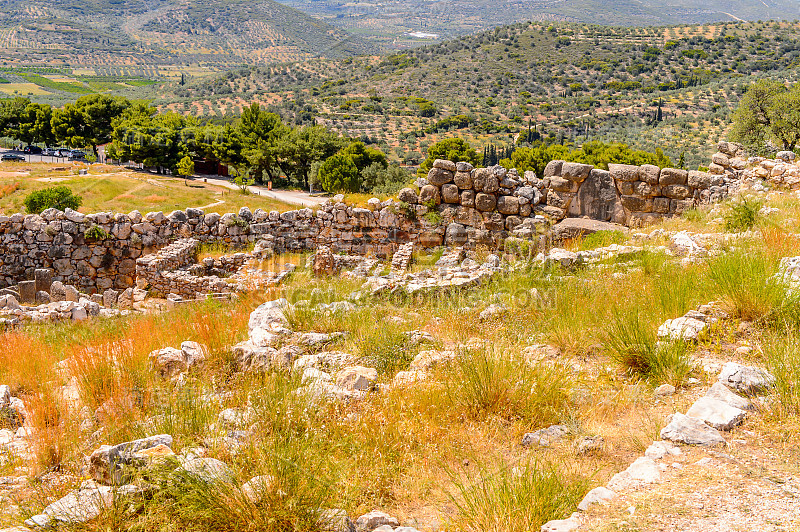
[(691, 431), (746, 379), (716, 413)]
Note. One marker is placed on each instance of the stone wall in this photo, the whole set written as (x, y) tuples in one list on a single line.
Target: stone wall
[(625, 194), (455, 205)]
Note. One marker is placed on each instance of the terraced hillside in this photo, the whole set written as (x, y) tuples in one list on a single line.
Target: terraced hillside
[(216, 34), (393, 23), (659, 87)]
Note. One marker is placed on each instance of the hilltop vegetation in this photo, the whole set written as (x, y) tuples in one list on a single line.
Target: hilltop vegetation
[(671, 88)]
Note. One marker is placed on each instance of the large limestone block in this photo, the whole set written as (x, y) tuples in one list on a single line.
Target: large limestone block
[(716, 413), (624, 172)]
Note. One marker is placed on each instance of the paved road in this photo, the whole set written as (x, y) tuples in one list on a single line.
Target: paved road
[(293, 197)]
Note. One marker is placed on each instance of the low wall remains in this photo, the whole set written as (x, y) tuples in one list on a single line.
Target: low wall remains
[(455, 205)]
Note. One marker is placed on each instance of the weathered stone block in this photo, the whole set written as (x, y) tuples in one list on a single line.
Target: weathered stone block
[(560, 184), (468, 198), (576, 172), (439, 177), (624, 172), (485, 202), (450, 193), (661, 205), (444, 164), (428, 194), (676, 191), (649, 173), (701, 180), (463, 180), (673, 176), (553, 168), (508, 205)]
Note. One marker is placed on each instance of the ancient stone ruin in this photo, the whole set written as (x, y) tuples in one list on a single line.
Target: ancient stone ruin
[(457, 205)]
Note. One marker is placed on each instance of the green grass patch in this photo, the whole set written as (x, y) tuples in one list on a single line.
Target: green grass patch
[(601, 239), (73, 87)]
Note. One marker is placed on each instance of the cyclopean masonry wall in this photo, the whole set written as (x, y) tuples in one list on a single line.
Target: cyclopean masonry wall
[(456, 205)]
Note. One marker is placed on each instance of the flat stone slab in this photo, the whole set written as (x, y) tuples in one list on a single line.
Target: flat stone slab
[(571, 228), (642, 471), (716, 413), (691, 431), (722, 393)]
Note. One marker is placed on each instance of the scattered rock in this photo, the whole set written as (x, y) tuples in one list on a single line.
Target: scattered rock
[(590, 444), (545, 437), (722, 393), (562, 525), (255, 488), (642, 471), (691, 431), (207, 469), (106, 464), (598, 495), (374, 519), (357, 378), (746, 379), (683, 328), (665, 390)]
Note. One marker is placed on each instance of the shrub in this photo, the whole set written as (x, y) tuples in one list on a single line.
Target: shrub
[(455, 150), (95, 232), (339, 174), (60, 198), (743, 215), (386, 349), (433, 216)]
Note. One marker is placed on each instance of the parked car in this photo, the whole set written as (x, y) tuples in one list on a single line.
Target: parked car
[(49, 152), (77, 155), (33, 150), (12, 157), (61, 152)]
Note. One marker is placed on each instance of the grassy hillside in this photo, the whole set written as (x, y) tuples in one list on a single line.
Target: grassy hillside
[(571, 81)]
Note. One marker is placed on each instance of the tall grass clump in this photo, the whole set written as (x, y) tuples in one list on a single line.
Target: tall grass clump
[(783, 362), (743, 215), (516, 499), (745, 278), (385, 348), (632, 344), (485, 383)]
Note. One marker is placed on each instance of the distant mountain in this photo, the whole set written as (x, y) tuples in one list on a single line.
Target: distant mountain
[(393, 23), (221, 32)]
